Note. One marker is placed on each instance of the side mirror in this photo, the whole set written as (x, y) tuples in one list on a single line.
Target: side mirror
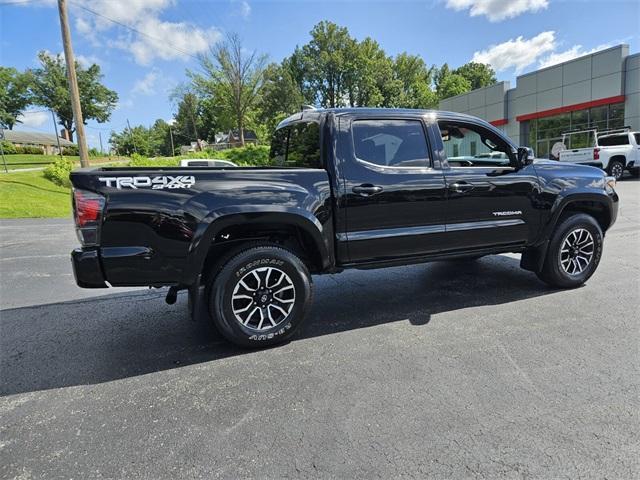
[(525, 156)]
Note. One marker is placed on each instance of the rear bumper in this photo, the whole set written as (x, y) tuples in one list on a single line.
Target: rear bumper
[(87, 269)]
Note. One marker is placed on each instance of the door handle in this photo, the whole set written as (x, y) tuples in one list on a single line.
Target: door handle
[(461, 187), (366, 189)]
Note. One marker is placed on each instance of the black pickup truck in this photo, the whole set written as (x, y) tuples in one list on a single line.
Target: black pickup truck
[(348, 188)]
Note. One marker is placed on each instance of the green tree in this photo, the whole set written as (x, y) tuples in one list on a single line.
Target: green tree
[(188, 120), (414, 83), (15, 95), (297, 67), (329, 63), (136, 140), (478, 74), (233, 78), (372, 83), (161, 138), (280, 96), (50, 90), (452, 85)]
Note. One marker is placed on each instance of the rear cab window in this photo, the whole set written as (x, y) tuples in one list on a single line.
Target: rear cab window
[(296, 145), (613, 140)]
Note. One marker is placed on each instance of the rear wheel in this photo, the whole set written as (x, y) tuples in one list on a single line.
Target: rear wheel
[(616, 169), (574, 252), (260, 296)]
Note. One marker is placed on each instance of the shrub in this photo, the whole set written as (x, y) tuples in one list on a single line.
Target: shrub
[(249, 156), (28, 150), (8, 148), (70, 150), (138, 160), (58, 172)]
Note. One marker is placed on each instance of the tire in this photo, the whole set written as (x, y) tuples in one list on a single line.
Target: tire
[(616, 169), (571, 237), (260, 296)]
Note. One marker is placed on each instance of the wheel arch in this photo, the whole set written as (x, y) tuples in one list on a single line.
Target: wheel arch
[(620, 158), (596, 205), (228, 228)]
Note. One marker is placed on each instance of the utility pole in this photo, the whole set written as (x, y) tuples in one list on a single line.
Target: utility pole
[(132, 139), (73, 84), (173, 149), (55, 132), (100, 135), (4, 160)]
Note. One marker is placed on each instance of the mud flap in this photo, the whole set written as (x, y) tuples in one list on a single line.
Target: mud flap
[(196, 303), (533, 258)]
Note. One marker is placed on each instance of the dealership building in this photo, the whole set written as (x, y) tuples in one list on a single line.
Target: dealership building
[(599, 90)]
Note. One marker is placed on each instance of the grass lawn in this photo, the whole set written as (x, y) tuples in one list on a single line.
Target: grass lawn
[(20, 161), (30, 195)]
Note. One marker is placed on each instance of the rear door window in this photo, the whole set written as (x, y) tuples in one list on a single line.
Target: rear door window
[(391, 143)]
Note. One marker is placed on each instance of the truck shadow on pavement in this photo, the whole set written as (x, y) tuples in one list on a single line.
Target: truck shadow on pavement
[(117, 336)]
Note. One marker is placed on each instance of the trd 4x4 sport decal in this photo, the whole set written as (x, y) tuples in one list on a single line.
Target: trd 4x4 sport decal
[(156, 183)]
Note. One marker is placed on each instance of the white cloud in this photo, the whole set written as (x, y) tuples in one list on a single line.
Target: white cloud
[(34, 119), (518, 53), (147, 84), (169, 40), (574, 52), (87, 60), (84, 60), (147, 36), (497, 10), (244, 9)]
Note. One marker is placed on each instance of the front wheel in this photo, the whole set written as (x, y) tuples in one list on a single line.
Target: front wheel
[(574, 252), (260, 296)]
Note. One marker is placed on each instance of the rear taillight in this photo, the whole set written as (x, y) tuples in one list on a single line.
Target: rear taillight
[(596, 153), (87, 212)]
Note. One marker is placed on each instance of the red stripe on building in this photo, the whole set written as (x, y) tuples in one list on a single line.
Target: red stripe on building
[(497, 123), (570, 108)]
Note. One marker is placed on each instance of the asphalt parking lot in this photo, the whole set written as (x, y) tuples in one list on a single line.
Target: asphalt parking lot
[(428, 371)]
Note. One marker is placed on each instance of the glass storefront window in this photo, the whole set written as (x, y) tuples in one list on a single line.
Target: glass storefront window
[(544, 132), (579, 119), (616, 115), (542, 150), (581, 140)]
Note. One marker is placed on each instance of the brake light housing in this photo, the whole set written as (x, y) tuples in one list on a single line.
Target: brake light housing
[(88, 208), (596, 153)]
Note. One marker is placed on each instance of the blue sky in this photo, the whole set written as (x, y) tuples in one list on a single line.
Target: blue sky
[(515, 36)]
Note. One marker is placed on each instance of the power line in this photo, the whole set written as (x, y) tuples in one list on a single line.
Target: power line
[(18, 2), (157, 39)]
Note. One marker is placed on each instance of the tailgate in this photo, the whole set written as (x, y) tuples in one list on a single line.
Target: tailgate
[(579, 155)]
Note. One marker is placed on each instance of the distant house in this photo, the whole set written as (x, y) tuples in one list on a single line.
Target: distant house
[(193, 147), (46, 141), (232, 139)]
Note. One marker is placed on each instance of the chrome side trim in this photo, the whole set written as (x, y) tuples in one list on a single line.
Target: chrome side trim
[(456, 227), (390, 233)]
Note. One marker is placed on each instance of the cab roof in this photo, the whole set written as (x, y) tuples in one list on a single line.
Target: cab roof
[(320, 113)]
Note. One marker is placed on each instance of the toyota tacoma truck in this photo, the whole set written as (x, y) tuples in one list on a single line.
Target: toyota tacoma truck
[(346, 188)]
